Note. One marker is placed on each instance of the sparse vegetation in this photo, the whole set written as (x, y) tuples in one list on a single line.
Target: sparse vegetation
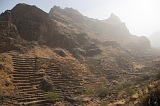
[(150, 98), (158, 74), (79, 91), (141, 79), (102, 92), (79, 101), (124, 85), (89, 91), (52, 97), (104, 103)]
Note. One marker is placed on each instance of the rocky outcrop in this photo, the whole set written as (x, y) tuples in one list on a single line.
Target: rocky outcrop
[(113, 19), (9, 37), (93, 52), (66, 15), (113, 44), (46, 85)]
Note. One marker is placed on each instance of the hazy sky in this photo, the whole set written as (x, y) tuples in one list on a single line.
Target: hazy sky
[(142, 17)]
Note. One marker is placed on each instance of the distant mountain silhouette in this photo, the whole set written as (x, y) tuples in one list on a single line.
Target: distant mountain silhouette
[(154, 39)]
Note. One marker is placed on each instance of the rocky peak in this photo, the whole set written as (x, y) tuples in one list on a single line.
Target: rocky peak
[(31, 21), (66, 10), (113, 19), (55, 8), (66, 15), (71, 10), (25, 12)]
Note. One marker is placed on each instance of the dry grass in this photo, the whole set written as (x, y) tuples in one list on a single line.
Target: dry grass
[(6, 85)]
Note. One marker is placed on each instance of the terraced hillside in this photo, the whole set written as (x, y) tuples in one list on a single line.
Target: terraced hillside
[(35, 77), (27, 82)]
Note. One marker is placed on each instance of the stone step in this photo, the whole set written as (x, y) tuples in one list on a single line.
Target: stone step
[(23, 62), (31, 95), (23, 84), (25, 68), (31, 76), (30, 99), (24, 72), (32, 103), (21, 79), (24, 87), (26, 59), (17, 75), (36, 79), (36, 83), (30, 91)]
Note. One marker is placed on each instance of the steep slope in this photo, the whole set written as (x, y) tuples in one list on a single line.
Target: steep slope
[(109, 29), (35, 25), (9, 37)]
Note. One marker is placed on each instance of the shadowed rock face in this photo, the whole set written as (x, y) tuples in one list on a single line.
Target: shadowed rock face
[(34, 24), (31, 22), (9, 37)]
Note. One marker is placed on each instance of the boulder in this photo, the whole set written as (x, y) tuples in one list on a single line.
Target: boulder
[(113, 44), (78, 53), (93, 52), (46, 84), (60, 52), (1, 67)]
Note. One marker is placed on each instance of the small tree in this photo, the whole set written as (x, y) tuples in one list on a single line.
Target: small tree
[(158, 74), (52, 97), (123, 85)]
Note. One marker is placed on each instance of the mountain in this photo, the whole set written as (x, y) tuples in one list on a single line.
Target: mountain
[(63, 52), (110, 29), (68, 25), (154, 39)]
